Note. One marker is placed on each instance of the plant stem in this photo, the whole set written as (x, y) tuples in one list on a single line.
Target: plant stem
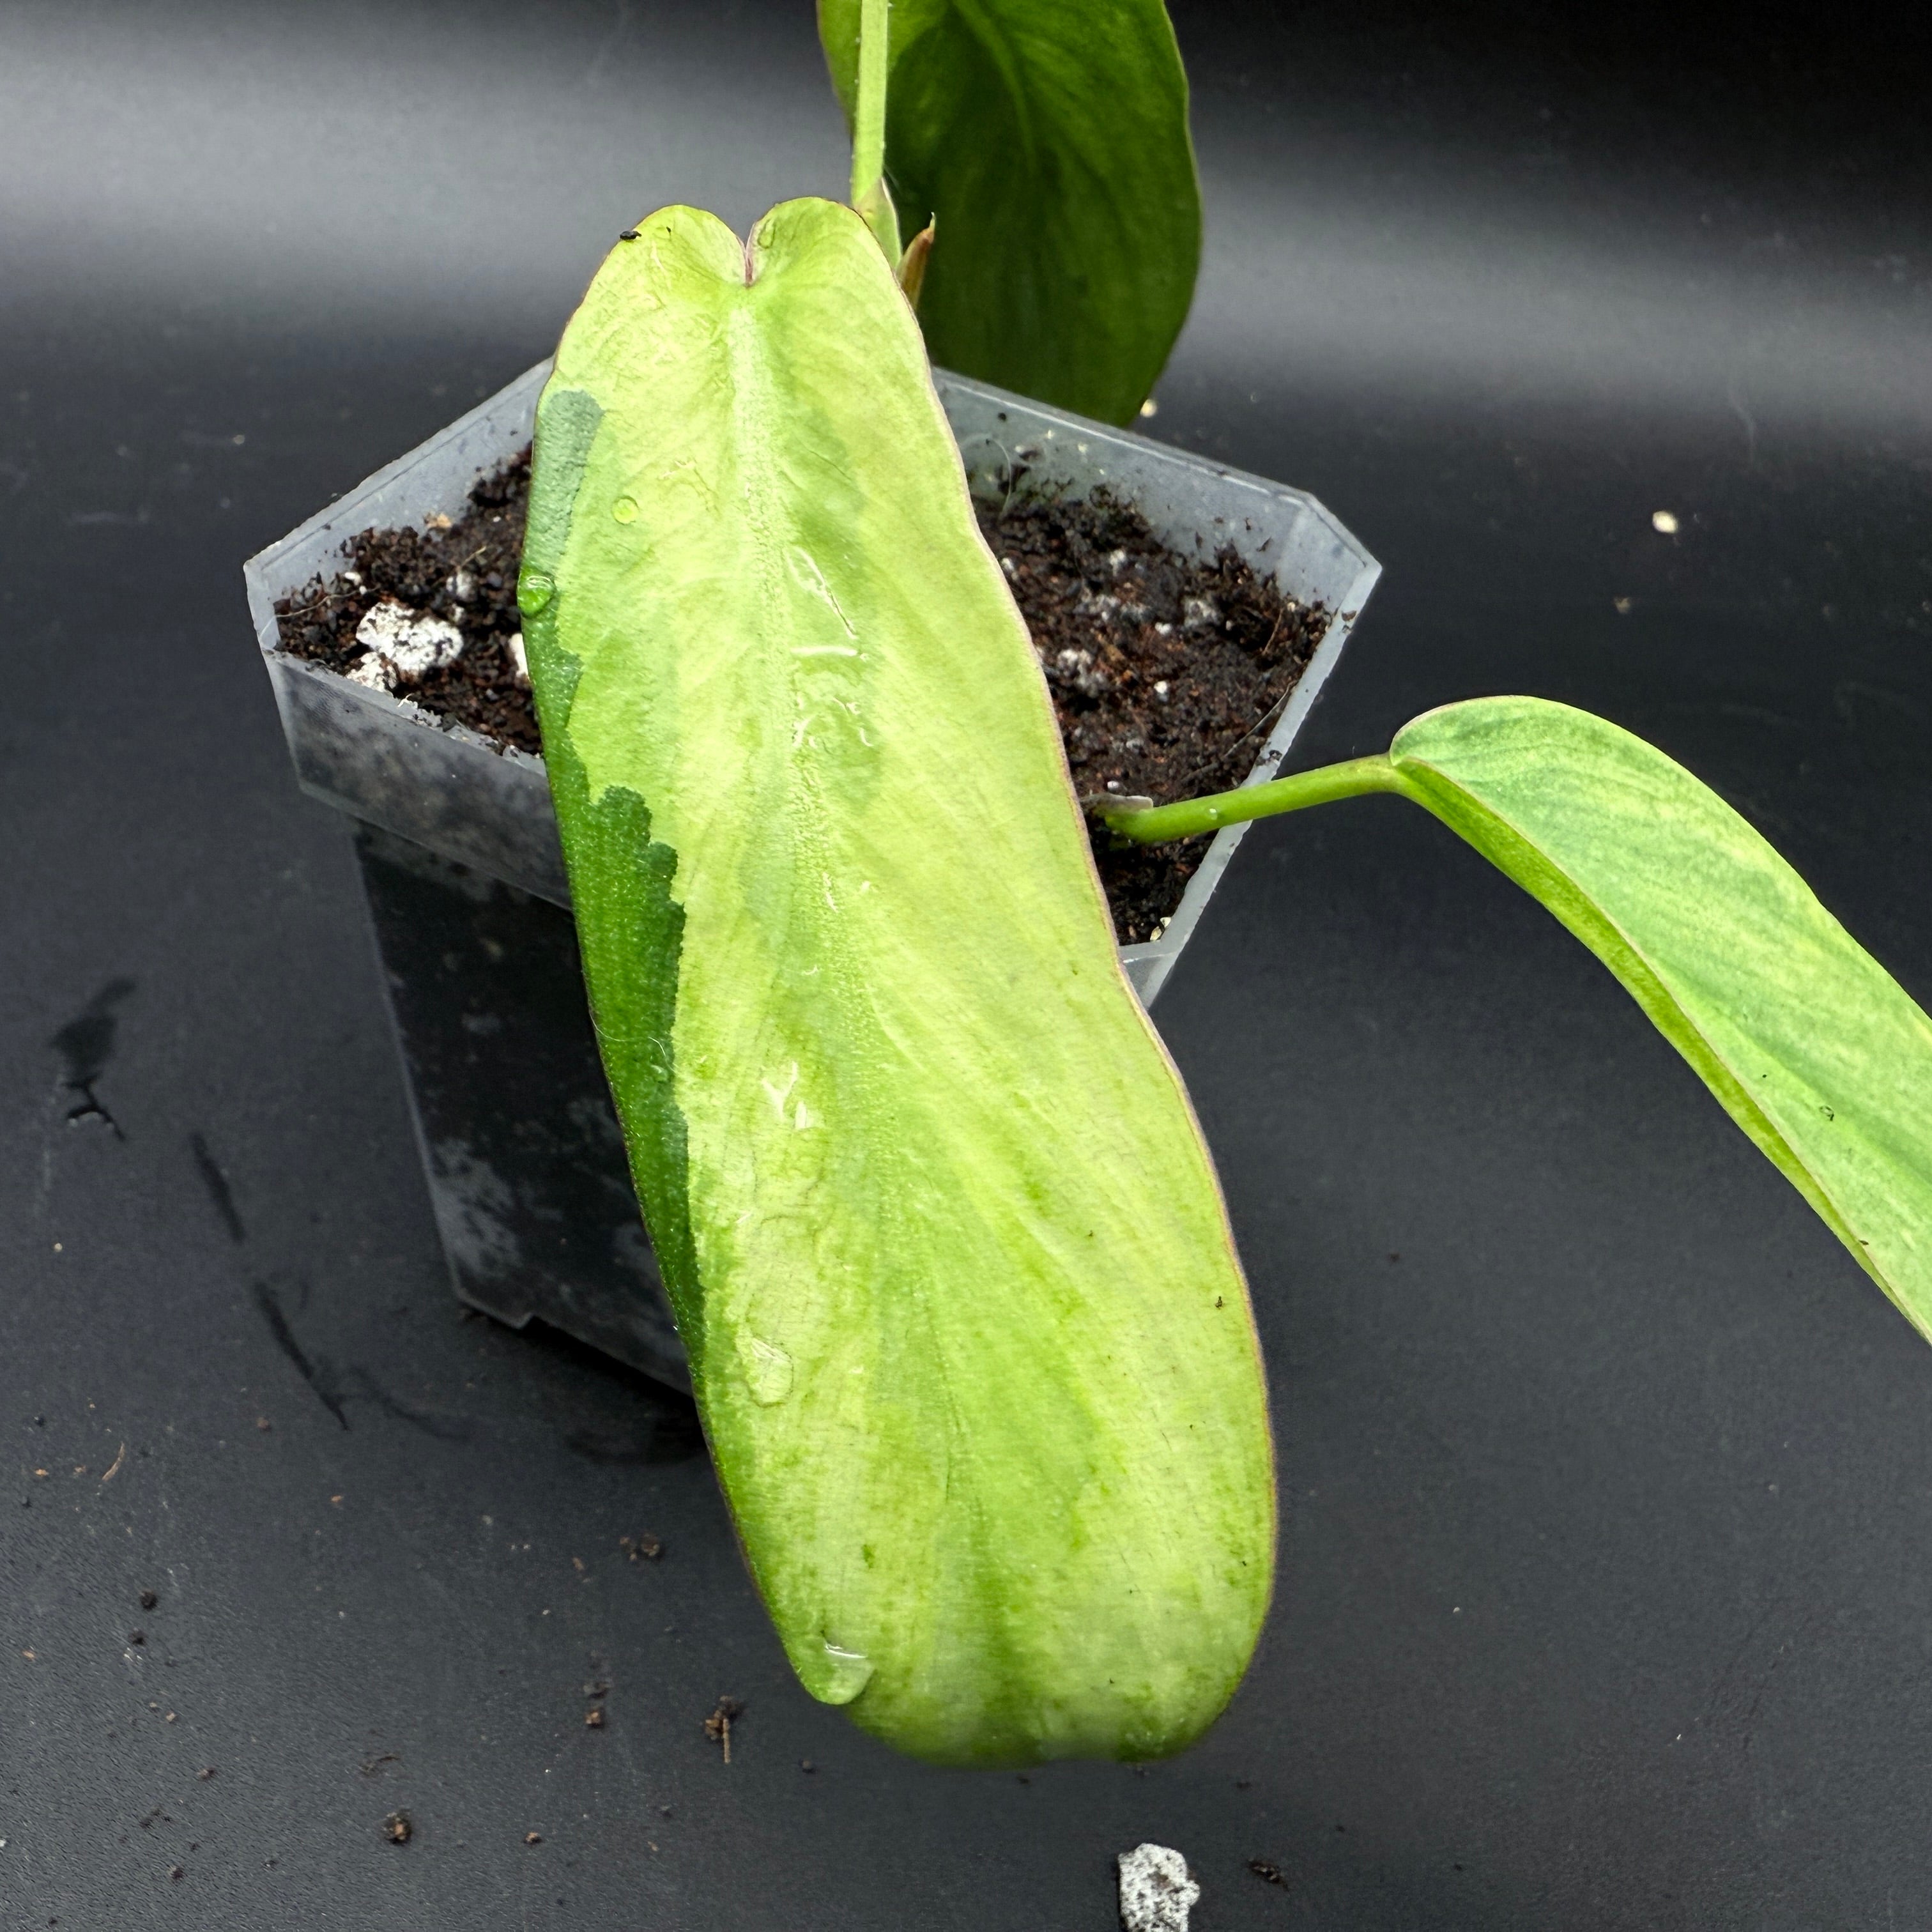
[(869, 117), (1191, 816)]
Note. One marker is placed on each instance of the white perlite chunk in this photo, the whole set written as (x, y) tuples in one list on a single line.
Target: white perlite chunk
[(1157, 1892), (519, 658), (412, 643), (374, 670)]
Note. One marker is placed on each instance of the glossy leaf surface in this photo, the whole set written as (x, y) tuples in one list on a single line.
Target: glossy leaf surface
[(1047, 141), (965, 1322), (1816, 1050)]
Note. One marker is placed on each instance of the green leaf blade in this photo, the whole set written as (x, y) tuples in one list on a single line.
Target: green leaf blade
[(1047, 141), (968, 1333), (1814, 1049)]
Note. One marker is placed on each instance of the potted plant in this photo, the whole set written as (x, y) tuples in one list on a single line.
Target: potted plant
[(1057, 277), (947, 1252)]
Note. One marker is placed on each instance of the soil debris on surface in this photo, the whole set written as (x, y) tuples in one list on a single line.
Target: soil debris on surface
[(399, 1827), (1167, 672), (718, 1726)]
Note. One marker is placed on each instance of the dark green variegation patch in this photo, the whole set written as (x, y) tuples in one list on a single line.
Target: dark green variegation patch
[(634, 925)]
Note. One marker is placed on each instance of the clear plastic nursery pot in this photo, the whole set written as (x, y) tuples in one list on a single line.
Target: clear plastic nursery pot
[(465, 876)]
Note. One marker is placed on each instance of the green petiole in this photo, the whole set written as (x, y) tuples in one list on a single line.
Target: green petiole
[(869, 194), (1190, 817)]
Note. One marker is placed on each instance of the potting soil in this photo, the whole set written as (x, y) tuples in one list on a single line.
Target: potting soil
[(1167, 672)]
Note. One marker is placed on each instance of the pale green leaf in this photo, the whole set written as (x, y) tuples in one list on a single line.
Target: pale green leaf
[(971, 1343), (1817, 1051), (1047, 141)]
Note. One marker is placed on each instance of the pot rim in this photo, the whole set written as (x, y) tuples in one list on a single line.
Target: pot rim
[(331, 723)]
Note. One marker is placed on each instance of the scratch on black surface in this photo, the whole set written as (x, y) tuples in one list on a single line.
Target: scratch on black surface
[(278, 1327), (219, 1192), (86, 1043), (444, 1428)]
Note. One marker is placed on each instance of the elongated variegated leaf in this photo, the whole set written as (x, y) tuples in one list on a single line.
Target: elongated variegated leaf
[(1047, 140), (1819, 1054), (969, 1335)]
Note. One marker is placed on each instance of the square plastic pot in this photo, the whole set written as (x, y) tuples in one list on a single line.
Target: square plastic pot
[(465, 877)]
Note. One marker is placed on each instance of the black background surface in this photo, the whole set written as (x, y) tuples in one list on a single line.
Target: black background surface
[(1606, 1591)]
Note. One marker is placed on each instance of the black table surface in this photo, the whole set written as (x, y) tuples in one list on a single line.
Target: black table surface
[(1605, 1585)]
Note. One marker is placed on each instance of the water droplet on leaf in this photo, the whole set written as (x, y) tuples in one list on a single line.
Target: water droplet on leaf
[(768, 1370), (624, 509), (534, 589), (847, 1673)]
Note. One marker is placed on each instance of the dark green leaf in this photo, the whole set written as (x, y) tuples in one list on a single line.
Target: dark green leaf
[(1047, 140)]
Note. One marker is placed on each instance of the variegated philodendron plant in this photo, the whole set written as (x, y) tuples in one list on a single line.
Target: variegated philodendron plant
[(970, 1339)]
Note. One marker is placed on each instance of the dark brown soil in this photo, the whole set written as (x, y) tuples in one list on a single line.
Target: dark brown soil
[(465, 575), (1167, 671)]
